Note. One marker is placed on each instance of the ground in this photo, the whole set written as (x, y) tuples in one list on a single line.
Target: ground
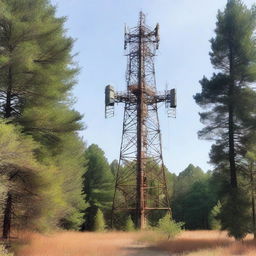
[(189, 243), (143, 250)]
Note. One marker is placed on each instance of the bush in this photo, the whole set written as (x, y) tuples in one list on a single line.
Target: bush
[(129, 225), (99, 222), (214, 220), (169, 227)]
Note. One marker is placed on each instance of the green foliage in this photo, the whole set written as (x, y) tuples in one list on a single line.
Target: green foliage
[(98, 180), (228, 96), (98, 183), (186, 179), (129, 225), (15, 148), (235, 214), (228, 100), (197, 204), (37, 75), (40, 68), (70, 160), (214, 221), (169, 227), (194, 197), (114, 167), (28, 182), (99, 222)]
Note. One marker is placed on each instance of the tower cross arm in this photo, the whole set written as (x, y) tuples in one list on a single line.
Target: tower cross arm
[(125, 97), (169, 97)]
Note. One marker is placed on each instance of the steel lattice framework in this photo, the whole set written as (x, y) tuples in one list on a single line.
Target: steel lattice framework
[(140, 182)]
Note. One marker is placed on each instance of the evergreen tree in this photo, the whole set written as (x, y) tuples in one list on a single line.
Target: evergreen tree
[(37, 74), (195, 193), (28, 182), (98, 184), (183, 183), (214, 221), (235, 214), (228, 96), (229, 100), (70, 160), (99, 222), (250, 185), (197, 204)]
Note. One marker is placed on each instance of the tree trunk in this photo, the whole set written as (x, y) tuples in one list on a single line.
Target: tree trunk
[(253, 216), (233, 177), (7, 217), (8, 102), (253, 202), (8, 203), (232, 163)]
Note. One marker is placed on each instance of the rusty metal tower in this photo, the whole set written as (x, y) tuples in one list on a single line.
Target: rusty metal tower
[(140, 181)]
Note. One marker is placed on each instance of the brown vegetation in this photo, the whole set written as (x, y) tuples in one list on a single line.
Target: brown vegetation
[(208, 243), (76, 244), (189, 243)]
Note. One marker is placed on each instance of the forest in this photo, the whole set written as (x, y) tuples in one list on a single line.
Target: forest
[(51, 180)]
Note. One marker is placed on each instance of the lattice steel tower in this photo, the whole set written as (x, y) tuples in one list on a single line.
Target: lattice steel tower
[(140, 181)]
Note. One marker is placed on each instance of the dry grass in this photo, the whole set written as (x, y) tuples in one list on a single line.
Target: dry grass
[(208, 243), (189, 243), (75, 244)]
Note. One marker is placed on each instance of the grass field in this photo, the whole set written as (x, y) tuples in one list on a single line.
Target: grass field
[(208, 243), (75, 244), (189, 243)]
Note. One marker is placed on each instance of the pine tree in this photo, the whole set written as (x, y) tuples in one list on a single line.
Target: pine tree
[(37, 74), (99, 222), (214, 222), (230, 99), (250, 185), (98, 184), (235, 214), (70, 160), (26, 180), (228, 94)]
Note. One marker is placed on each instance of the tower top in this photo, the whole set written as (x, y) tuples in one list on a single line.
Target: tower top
[(142, 32), (142, 19)]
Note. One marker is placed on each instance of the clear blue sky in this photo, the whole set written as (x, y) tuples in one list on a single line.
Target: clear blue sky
[(185, 29)]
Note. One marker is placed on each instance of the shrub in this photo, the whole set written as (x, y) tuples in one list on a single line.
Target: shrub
[(129, 225), (214, 221), (99, 222), (169, 227)]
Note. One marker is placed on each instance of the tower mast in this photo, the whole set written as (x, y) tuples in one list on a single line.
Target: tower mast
[(141, 136), (140, 181)]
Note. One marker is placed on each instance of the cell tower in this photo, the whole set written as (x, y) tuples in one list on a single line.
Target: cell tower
[(140, 186)]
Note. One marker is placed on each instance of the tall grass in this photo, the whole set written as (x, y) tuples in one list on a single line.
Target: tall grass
[(75, 244), (189, 243), (208, 243)]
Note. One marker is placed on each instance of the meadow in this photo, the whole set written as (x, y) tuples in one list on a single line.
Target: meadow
[(208, 243), (188, 243)]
